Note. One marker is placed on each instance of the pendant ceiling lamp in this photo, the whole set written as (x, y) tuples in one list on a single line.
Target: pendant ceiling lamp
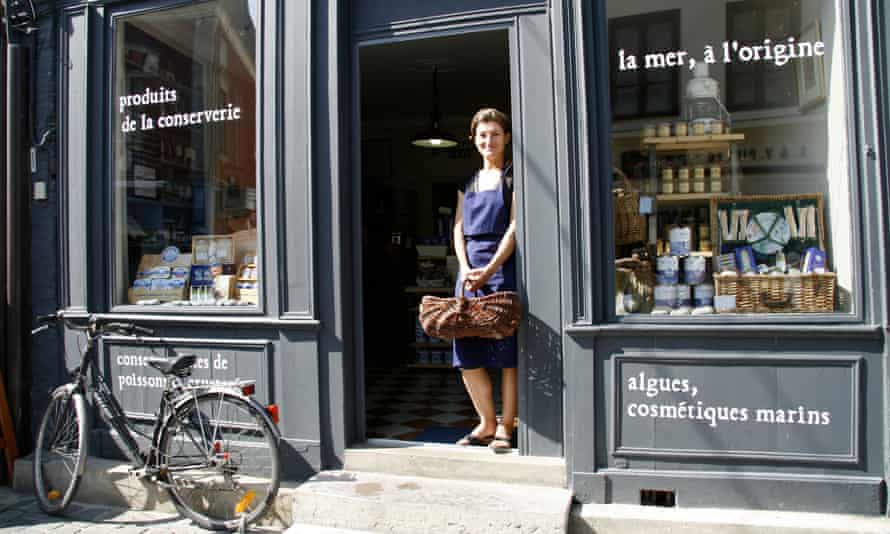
[(434, 137)]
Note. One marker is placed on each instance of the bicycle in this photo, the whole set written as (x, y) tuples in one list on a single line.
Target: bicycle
[(213, 448)]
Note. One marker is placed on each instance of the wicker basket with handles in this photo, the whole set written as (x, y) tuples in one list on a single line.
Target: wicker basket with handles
[(763, 293), (630, 225), (491, 316), (638, 275)]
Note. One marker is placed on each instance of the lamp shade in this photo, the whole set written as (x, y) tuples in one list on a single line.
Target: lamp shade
[(434, 137)]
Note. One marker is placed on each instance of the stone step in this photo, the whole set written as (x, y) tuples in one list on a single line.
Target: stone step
[(108, 483), (454, 462), (627, 519), (400, 504), (302, 528)]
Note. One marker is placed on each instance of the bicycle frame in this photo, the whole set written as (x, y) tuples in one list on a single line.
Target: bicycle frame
[(88, 379)]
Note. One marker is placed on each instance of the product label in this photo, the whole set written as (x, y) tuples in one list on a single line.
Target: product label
[(681, 239), (201, 276), (170, 254)]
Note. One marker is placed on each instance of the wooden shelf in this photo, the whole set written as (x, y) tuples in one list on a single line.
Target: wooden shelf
[(704, 254), (430, 345), (678, 198), (692, 142), (429, 290)]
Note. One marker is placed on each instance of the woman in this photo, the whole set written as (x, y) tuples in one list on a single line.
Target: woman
[(484, 240)]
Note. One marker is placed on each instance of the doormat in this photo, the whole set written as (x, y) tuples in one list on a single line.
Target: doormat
[(441, 434)]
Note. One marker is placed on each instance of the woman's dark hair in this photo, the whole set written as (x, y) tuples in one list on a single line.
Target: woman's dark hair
[(489, 115)]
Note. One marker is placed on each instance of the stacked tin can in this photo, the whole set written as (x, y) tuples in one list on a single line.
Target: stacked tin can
[(676, 294)]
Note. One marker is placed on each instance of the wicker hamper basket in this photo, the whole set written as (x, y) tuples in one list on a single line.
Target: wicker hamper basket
[(630, 225), (763, 293), (638, 275)]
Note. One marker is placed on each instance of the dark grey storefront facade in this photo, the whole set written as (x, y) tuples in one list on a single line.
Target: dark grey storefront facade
[(583, 369)]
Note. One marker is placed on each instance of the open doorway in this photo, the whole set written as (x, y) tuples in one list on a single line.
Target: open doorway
[(409, 192)]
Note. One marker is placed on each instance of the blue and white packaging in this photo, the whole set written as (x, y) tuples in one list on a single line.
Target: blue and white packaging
[(695, 269), (680, 238), (667, 270), (703, 295), (814, 260), (666, 296)]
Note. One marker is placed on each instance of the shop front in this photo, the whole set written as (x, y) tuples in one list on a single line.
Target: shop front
[(696, 206)]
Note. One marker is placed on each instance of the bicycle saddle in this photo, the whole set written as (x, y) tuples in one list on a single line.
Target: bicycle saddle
[(180, 365)]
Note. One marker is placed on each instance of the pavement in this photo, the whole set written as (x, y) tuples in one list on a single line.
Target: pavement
[(20, 514)]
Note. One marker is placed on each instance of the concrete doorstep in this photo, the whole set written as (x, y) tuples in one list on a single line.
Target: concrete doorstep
[(436, 460), (408, 505), (349, 502)]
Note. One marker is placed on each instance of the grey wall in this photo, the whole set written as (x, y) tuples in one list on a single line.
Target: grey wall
[(47, 371)]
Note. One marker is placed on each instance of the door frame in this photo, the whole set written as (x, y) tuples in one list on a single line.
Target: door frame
[(446, 27)]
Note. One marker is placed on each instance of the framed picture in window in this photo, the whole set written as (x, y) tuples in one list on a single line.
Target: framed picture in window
[(810, 70)]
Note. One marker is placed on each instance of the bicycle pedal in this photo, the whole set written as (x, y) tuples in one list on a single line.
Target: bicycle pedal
[(141, 473)]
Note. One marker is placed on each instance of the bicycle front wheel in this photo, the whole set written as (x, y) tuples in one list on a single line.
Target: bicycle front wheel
[(61, 451), (219, 455)]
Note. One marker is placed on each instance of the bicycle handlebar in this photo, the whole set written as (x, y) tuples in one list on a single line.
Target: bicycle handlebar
[(50, 317), (44, 322), (128, 328)]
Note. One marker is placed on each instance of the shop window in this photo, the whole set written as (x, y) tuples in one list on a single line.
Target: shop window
[(184, 158), (745, 209)]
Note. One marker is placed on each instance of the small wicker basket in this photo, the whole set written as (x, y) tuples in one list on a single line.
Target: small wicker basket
[(638, 275), (763, 293), (630, 225)]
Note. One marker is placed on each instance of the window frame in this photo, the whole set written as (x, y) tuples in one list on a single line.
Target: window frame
[(641, 22), (759, 106), (849, 23), (114, 15)]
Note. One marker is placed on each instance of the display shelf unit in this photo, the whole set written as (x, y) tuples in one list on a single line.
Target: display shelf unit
[(430, 365), (431, 345), (683, 198), (690, 144), (693, 142), (430, 290)]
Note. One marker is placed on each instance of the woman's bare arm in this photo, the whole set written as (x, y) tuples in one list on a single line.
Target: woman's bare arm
[(460, 248)]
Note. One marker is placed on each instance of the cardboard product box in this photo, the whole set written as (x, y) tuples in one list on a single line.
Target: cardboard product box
[(157, 279), (206, 248), (247, 286), (224, 286)]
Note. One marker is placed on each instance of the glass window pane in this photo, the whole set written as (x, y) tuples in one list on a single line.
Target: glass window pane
[(184, 161), (742, 209)]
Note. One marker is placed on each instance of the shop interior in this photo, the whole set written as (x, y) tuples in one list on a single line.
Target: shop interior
[(409, 192), (731, 181)]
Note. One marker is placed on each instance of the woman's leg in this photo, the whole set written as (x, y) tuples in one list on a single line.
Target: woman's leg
[(478, 385), (510, 401)]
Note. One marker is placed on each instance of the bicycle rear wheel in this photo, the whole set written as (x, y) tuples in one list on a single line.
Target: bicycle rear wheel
[(61, 451), (219, 455)]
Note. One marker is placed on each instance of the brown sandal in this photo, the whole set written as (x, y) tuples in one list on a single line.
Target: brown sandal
[(471, 440), (501, 444)]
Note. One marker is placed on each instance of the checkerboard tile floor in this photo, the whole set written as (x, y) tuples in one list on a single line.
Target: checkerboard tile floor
[(402, 402)]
